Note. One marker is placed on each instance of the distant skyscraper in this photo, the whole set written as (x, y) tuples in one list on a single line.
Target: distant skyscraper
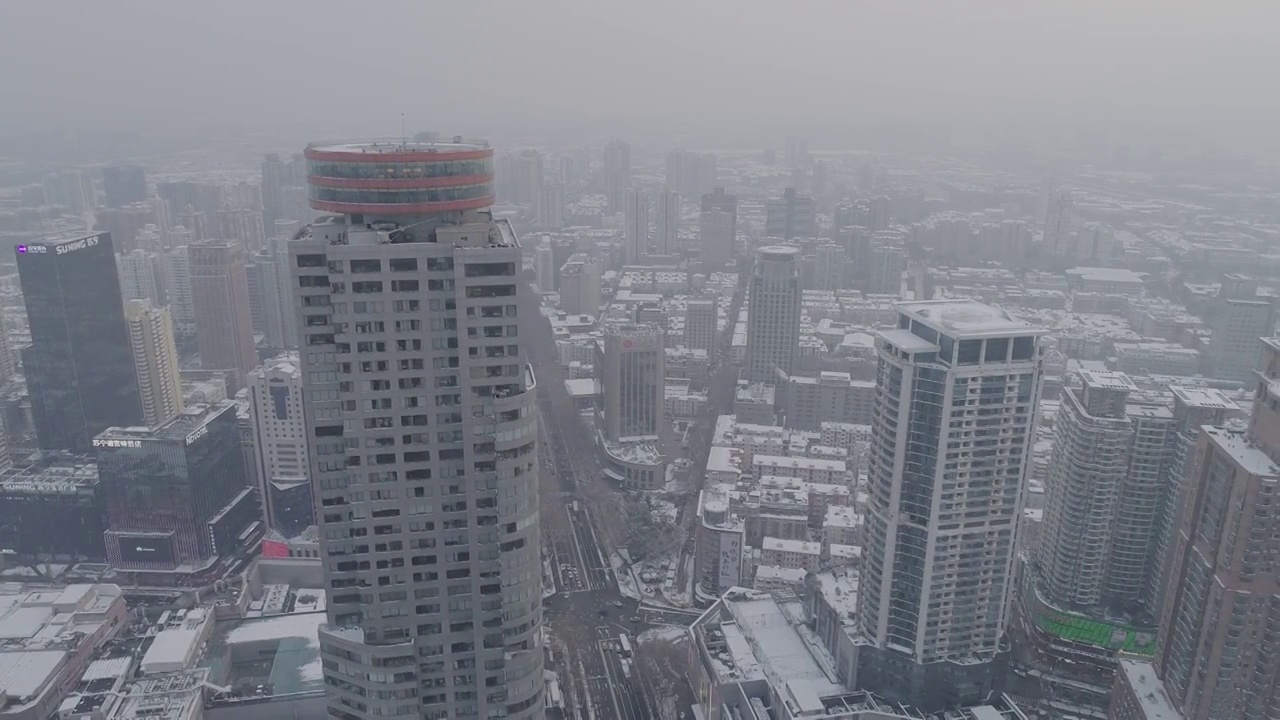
[(270, 308), (797, 151), (123, 184), (884, 276), (140, 277), (631, 361), (580, 285), (220, 293), (436, 472), (1240, 318), (617, 175), (957, 389), (175, 274), (666, 236), (72, 189), (773, 316), (551, 208), (718, 228), (690, 174), (175, 496), (700, 326), (791, 216), (544, 265), (637, 230), (275, 175), (155, 359), (1219, 650), (280, 443), (79, 368), (829, 266)]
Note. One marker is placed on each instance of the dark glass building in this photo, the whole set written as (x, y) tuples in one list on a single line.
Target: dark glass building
[(79, 366), (52, 512), (176, 497)]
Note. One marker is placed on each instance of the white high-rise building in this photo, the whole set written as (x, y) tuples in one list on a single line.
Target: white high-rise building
[(139, 276), (637, 230), (580, 285), (421, 419), (666, 235), (773, 314), (617, 175), (958, 385), (280, 443), (175, 270), (155, 359), (1102, 517)]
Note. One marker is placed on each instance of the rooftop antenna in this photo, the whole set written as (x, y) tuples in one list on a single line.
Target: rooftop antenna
[(404, 138)]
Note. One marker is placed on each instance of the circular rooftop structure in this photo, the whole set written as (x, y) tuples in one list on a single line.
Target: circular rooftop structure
[(400, 178)]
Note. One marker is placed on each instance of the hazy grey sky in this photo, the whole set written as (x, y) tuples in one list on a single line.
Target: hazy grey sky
[(1182, 64)]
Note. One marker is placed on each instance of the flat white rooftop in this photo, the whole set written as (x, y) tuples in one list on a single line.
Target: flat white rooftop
[(1152, 698), (1107, 380), (967, 318)]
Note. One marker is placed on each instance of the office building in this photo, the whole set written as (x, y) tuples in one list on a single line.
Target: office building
[(52, 511), (123, 184), (280, 444), (958, 386), (666, 224), (1240, 317), (791, 216), (155, 359), (175, 276), (718, 545), (1219, 648), (808, 402), (580, 285), (617, 175), (71, 189), (773, 315), (700, 326), (718, 229), (79, 368), (884, 276), (175, 496), (220, 294), (421, 419), (1107, 476), (139, 276), (630, 361), (637, 228), (270, 308)]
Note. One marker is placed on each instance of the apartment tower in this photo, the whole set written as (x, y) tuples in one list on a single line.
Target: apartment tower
[(421, 421)]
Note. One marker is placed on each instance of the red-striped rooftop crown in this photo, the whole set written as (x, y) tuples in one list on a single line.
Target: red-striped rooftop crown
[(400, 178)]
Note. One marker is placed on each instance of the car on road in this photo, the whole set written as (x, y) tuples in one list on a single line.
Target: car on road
[(636, 619), (617, 603)]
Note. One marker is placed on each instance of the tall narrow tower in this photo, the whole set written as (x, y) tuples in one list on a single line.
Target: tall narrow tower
[(956, 394), (220, 295), (422, 428), (155, 359), (773, 317)]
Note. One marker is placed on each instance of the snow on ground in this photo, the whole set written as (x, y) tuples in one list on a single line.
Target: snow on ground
[(673, 633), (19, 572), (628, 585)]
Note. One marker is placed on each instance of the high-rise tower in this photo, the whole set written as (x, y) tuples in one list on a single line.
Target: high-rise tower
[(1219, 648), (956, 394), (773, 317), (718, 228), (666, 235), (637, 231), (422, 428), (220, 295), (155, 359), (79, 367), (280, 444)]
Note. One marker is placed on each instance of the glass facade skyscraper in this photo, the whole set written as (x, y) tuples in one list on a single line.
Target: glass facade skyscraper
[(79, 366)]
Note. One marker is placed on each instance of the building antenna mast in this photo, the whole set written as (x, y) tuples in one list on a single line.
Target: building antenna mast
[(404, 138)]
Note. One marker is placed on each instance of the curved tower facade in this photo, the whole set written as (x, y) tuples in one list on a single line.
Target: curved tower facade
[(421, 423)]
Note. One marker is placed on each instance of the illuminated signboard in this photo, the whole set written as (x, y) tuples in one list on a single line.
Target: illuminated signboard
[(199, 433), (110, 443), (32, 249)]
